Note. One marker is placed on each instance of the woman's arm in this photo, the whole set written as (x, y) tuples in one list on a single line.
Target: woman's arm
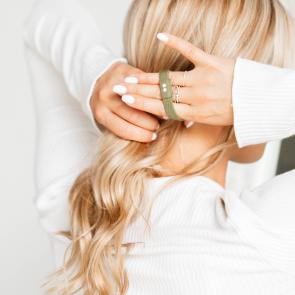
[(263, 102), (66, 143), (65, 34)]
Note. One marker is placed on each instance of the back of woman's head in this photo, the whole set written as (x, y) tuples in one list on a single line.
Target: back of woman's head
[(254, 29), (106, 198)]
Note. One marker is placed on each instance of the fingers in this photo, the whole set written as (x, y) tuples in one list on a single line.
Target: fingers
[(186, 94), (205, 113), (156, 107), (192, 53), (150, 105), (177, 78), (126, 130), (136, 117), (144, 90)]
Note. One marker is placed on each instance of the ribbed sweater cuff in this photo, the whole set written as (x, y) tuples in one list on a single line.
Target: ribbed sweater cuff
[(96, 64), (263, 102)]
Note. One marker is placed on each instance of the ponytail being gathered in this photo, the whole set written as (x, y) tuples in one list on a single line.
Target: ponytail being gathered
[(107, 197)]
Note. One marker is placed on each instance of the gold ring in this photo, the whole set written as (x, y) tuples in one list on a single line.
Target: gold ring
[(177, 95)]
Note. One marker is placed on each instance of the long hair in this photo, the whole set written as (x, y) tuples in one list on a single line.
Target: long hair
[(108, 196)]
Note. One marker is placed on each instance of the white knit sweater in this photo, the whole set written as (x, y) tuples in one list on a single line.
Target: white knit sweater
[(196, 246)]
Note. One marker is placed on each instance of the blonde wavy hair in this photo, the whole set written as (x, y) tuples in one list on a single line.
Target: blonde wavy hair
[(107, 197)]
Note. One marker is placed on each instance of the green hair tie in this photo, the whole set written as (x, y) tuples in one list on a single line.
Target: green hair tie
[(167, 95)]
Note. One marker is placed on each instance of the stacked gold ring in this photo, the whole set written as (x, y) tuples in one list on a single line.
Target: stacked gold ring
[(177, 94), (167, 95)]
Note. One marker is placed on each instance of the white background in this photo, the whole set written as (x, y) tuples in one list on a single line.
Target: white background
[(25, 255)]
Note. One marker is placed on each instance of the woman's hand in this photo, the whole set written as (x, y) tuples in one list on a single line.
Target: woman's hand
[(206, 97), (109, 110)]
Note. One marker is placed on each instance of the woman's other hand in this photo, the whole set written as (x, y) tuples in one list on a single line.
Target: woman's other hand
[(207, 93), (119, 118)]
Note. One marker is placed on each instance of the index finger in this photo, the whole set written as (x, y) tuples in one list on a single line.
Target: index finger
[(188, 50)]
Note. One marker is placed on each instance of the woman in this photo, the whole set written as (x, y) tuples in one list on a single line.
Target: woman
[(193, 247)]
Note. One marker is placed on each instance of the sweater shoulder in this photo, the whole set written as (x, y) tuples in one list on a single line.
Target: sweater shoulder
[(274, 201), (264, 217)]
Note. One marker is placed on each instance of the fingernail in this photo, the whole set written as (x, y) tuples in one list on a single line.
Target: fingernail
[(154, 136), (165, 118), (162, 37), (131, 80), (128, 99), (119, 89), (189, 124)]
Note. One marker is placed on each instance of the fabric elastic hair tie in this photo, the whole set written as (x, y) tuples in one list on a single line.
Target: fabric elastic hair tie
[(167, 95)]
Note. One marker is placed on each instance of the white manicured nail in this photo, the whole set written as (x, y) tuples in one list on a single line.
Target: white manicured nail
[(162, 37), (128, 99), (131, 80), (154, 136), (189, 124), (119, 89)]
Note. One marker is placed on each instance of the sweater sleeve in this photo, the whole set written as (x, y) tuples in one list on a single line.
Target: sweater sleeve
[(264, 217), (66, 143), (263, 102), (65, 34)]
